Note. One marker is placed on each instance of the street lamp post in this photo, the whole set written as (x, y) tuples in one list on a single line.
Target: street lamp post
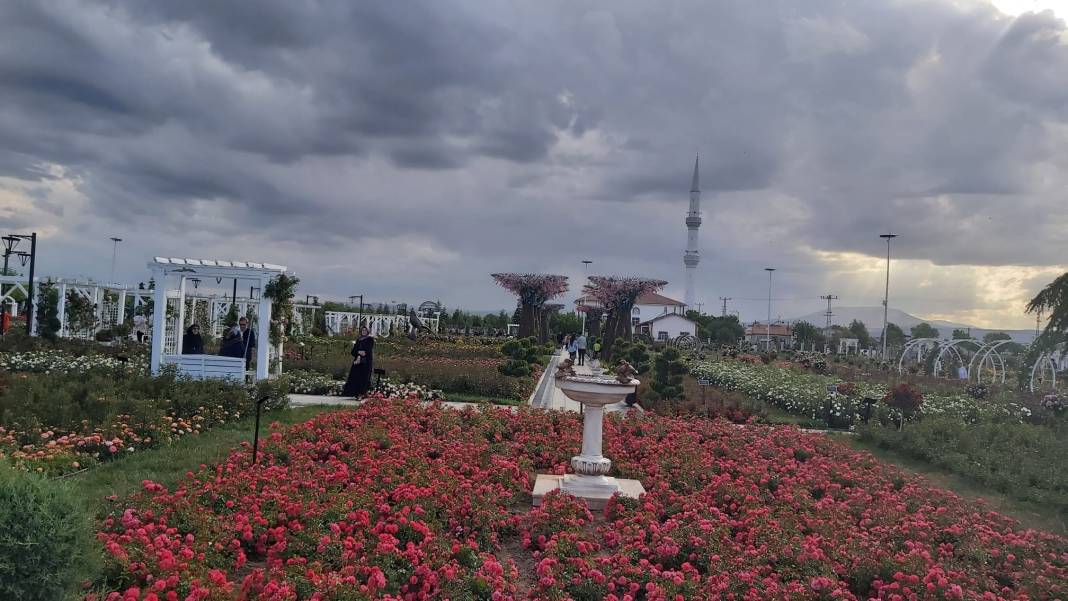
[(10, 242), (886, 297), (770, 270), (585, 276), (353, 298), (114, 251)]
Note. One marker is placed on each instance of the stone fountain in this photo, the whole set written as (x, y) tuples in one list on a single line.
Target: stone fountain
[(590, 480)]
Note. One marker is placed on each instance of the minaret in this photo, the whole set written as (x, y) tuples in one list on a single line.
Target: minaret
[(693, 222)]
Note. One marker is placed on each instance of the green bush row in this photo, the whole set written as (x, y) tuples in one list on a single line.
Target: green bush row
[(1021, 460)]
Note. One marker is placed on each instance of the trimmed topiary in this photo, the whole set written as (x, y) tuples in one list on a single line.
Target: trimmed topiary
[(46, 538)]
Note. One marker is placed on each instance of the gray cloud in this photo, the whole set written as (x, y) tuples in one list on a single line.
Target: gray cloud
[(495, 137)]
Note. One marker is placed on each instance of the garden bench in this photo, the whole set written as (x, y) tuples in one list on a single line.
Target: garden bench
[(208, 367)]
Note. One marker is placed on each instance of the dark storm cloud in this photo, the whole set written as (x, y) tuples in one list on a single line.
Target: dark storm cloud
[(496, 136)]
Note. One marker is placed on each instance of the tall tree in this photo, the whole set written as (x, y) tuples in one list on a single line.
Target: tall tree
[(48, 310), (895, 336), (1052, 301), (617, 296), (720, 330), (923, 330), (806, 333), (860, 332), (995, 336), (533, 290)]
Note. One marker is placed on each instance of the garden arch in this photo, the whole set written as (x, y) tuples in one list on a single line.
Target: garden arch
[(989, 354), (919, 346), (1044, 362), (952, 346)]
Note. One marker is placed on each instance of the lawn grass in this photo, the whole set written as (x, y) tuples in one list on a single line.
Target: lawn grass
[(167, 465), (1030, 515)]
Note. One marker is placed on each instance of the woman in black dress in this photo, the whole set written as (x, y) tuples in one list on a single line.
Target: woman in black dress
[(359, 381), (192, 342)]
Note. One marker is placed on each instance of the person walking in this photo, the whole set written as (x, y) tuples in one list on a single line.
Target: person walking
[(567, 342), (359, 381), (580, 344), (572, 349)]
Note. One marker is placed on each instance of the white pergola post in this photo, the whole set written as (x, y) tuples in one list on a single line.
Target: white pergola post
[(98, 308), (263, 333), (159, 318), (62, 311), (120, 317), (179, 328)]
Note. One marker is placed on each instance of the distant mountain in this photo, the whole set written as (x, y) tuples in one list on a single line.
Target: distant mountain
[(873, 318)]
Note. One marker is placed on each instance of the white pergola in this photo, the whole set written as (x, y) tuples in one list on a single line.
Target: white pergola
[(166, 270)]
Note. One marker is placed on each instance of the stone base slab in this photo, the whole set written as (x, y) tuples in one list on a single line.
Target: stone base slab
[(594, 490)]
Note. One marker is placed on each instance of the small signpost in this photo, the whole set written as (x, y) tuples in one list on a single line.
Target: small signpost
[(703, 383)]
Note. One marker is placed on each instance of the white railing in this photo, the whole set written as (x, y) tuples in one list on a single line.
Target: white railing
[(342, 323)]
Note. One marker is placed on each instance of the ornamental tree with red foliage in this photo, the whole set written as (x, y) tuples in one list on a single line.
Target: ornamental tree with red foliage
[(617, 296), (533, 290), (905, 399)]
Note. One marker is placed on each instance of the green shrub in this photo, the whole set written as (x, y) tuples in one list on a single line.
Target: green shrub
[(1023, 461), (46, 539), (668, 370)]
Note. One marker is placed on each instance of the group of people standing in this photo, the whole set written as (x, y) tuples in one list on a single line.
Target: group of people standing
[(238, 341), (577, 346)]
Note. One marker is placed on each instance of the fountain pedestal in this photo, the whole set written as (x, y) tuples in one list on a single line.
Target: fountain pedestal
[(590, 480)]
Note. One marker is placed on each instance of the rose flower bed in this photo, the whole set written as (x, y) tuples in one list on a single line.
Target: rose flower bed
[(404, 501)]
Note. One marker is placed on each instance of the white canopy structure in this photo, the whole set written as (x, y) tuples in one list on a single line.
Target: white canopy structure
[(168, 270)]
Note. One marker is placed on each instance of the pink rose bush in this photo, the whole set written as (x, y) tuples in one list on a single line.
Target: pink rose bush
[(401, 500)]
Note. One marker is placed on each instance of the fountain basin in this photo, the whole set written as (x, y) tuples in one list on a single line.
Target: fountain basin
[(596, 390), (590, 481)]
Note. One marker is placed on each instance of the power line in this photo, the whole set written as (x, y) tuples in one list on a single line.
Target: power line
[(829, 297)]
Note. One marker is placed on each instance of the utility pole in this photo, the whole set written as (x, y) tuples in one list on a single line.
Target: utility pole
[(886, 298), (114, 251), (724, 299), (699, 305), (585, 278), (828, 297), (770, 270)]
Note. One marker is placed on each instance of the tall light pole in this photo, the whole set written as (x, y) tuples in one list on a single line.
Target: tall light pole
[(886, 296), (114, 251), (585, 276), (770, 270)]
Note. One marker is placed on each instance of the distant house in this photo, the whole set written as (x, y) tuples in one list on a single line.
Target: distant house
[(647, 307), (780, 334), (667, 326)]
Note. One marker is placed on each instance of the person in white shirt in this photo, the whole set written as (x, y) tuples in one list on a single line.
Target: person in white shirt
[(580, 344)]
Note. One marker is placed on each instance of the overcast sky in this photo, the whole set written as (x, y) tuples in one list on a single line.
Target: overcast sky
[(406, 150)]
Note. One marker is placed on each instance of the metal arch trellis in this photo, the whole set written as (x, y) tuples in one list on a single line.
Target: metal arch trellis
[(988, 353), (1044, 360), (952, 345), (918, 345), (686, 343)]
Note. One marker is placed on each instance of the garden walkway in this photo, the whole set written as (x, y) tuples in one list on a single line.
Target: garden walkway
[(548, 396)]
